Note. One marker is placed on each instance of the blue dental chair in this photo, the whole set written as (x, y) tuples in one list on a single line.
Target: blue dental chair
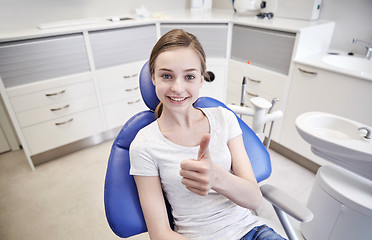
[(122, 206)]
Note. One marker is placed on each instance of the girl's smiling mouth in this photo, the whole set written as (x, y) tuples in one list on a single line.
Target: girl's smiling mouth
[(178, 99)]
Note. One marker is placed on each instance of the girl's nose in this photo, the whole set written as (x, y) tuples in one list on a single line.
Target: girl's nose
[(177, 86)]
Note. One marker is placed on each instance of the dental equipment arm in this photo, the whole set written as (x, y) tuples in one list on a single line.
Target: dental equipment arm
[(284, 204), (259, 121), (239, 110)]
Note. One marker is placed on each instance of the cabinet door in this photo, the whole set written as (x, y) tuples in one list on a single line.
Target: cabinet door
[(28, 61), (213, 37), (325, 92), (118, 46), (263, 48)]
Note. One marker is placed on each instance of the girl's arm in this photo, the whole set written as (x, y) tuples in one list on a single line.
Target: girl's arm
[(154, 209), (240, 187)]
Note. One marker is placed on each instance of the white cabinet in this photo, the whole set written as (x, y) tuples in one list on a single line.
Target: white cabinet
[(119, 55), (324, 91), (55, 112), (259, 83), (62, 89), (269, 54), (49, 92), (119, 90)]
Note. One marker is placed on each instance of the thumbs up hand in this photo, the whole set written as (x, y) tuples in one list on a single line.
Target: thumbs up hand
[(198, 174)]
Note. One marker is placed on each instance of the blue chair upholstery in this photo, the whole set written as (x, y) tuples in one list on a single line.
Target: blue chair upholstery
[(122, 206)]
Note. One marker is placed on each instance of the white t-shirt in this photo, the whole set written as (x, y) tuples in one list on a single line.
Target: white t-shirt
[(197, 217)]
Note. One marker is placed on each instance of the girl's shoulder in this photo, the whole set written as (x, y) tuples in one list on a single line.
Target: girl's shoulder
[(146, 133), (218, 112)]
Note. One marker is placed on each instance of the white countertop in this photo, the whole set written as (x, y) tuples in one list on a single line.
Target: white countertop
[(317, 62), (182, 16)]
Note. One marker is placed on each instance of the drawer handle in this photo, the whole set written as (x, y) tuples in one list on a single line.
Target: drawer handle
[(133, 102), (307, 72), (131, 89), (65, 122), (130, 76), (254, 80), (253, 95), (55, 94), (59, 109)]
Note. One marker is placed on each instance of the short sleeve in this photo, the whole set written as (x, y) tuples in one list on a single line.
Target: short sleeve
[(141, 162), (232, 123)]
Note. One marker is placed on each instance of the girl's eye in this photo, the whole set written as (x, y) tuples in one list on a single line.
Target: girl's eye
[(190, 77), (166, 76)]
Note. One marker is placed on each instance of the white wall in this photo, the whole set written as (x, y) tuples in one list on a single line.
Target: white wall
[(29, 13), (353, 20)]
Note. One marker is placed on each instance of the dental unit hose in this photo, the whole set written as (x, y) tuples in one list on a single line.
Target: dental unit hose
[(275, 100), (242, 99)]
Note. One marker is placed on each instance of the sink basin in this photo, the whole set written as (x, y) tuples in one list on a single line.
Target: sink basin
[(351, 63), (335, 136)]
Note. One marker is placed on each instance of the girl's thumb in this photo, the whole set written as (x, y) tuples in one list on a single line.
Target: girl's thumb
[(204, 146)]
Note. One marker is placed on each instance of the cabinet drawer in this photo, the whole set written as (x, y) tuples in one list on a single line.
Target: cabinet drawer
[(58, 132), (123, 76), (265, 81), (45, 113), (118, 113), (121, 94), (51, 96)]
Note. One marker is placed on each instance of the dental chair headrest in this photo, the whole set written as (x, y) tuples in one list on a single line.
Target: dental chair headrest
[(147, 88)]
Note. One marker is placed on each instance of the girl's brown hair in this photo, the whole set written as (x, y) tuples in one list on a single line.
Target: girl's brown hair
[(174, 39)]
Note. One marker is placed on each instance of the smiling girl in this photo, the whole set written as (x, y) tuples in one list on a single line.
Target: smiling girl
[(196, 156)]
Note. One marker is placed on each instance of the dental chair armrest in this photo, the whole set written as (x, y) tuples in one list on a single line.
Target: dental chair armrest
[(286, 203)]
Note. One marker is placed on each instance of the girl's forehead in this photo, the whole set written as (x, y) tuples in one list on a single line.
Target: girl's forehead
[(183, 57)]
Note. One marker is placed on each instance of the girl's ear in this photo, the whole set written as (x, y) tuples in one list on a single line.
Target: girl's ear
[(153, 80)]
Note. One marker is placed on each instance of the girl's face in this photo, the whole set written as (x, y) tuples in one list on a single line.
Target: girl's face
[(178, 78)]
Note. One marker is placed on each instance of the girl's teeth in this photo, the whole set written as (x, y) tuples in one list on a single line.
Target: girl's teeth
[(177, 99)]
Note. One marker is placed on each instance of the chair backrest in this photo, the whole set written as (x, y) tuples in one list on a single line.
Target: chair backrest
[(122, 206)]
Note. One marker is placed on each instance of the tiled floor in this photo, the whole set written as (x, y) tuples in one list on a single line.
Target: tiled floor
[(63, 199)]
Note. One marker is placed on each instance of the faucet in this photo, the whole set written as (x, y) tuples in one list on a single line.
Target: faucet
[(368, 134), (367, 45)]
